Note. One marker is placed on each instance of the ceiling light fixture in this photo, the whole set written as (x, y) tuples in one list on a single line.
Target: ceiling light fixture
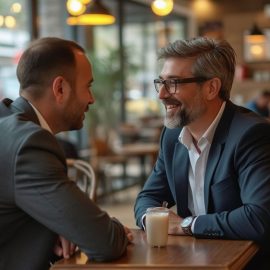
[(85, 2), (255, 47), (256, 34), (162, 7), (16, 8), (95, 14), (75, 7), (7, 21)]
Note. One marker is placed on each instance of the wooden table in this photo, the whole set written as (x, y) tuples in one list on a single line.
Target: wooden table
[(142, 151), (182, 252)]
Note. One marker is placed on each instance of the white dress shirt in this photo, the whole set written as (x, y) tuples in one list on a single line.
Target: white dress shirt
[(41, 119), (198, 163)]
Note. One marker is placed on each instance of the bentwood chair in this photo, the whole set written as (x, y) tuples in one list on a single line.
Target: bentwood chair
[(105, 160), (83, 174)]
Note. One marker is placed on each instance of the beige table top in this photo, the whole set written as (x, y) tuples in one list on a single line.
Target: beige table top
[(182, 252)]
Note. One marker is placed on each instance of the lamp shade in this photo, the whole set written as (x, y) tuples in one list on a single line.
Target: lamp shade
[(96, 14), (255, 34), (255, 30), (255, 44)]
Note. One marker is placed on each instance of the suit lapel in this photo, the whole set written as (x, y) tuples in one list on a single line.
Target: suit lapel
[(181, 166), (213, 158), (216, 149)]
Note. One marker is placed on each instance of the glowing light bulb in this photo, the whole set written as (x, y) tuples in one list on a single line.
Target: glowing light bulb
[(162, 7), (10, 22), (75, 7), (256, 50), (16, 8), (2, 20)]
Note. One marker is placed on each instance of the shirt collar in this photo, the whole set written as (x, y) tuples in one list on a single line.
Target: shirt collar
[(41, 119), (186, 138)]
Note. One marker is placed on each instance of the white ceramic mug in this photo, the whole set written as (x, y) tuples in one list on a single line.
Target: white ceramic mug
[(157, 223)]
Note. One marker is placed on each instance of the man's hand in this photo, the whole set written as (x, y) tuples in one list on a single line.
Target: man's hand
[(127, 231), (128, 234), (174, 224), (64, 247)]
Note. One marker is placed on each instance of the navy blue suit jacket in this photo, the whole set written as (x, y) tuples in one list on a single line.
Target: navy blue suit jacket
[(237, 179)]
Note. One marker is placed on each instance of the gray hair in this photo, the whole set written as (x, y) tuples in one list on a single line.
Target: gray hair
[(212, 59)]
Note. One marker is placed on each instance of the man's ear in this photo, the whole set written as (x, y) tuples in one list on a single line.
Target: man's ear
[(214, 86), (60, 88)]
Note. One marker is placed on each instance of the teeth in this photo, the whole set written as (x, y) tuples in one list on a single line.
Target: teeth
[(171, 106)]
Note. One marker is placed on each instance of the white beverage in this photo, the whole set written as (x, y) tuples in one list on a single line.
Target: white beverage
[(157, 222)]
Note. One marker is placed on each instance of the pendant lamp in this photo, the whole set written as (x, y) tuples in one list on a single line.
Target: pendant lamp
[(256, 34), (255, 47), (162, 7), (95, 14)]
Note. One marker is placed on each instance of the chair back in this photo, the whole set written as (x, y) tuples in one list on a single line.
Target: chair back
[(83, 174)]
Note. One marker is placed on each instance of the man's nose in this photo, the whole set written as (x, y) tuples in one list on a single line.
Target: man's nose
[(163, 93), (91, 98)]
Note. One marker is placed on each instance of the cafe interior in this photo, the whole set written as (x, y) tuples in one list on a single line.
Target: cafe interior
[(120, 137), (121, 130)]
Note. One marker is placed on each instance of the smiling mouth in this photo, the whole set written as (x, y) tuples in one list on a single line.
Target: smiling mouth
[(171, 107)]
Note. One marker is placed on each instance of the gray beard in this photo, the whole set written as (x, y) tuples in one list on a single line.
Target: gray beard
[(177, 120), (171, 122)]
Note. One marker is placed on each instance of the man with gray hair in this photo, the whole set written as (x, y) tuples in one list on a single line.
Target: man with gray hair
[(214, 158)]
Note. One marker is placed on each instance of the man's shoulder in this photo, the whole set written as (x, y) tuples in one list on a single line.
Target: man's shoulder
[(243, 122), (18, 125), (17, 112), (239, 113), (5, 107), (251, 105), (248, 117)]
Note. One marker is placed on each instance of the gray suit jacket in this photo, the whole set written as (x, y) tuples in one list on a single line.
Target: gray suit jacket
[(38, 202)]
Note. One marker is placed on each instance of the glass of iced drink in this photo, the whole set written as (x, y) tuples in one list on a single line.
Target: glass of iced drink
[(157, 222)]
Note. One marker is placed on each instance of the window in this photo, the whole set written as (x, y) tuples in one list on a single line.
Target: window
[(14, 36), (144, 34)]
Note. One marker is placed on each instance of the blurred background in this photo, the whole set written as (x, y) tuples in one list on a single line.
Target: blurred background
[(122, 39)]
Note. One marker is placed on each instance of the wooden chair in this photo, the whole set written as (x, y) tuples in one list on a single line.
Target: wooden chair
[(104, 160), (83, 174)]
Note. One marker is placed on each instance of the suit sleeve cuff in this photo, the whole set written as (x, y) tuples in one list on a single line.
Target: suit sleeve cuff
[(193, 225), (143, 221)]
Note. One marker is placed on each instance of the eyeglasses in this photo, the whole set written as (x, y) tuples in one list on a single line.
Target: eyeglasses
[(171, 84)]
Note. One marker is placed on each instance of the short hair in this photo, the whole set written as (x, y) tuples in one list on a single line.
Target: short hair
[(212, 58), (45, 59)]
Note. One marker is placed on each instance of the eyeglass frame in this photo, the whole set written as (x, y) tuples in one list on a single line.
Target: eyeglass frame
[(177, 81)]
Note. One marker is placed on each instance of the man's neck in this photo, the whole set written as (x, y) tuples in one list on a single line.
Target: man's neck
[(200, 125), (41, 119), (42, 113)]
